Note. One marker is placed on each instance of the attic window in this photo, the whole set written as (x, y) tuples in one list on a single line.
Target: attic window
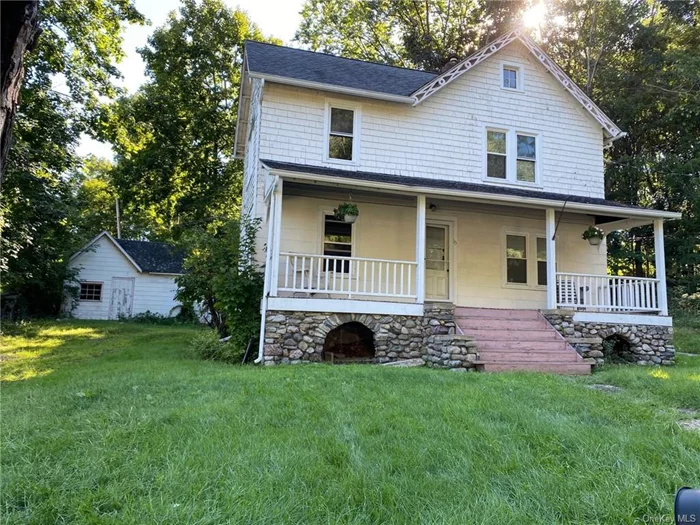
[(341, 137), (511, 77)]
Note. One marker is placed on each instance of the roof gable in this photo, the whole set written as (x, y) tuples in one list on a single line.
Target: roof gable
[(145, 256), (442, 80)]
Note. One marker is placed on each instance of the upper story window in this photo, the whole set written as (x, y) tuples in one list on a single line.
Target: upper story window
[(511, 77), (511, 156), (342, 128)]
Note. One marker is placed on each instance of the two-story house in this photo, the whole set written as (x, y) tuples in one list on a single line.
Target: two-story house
[(473, 187)]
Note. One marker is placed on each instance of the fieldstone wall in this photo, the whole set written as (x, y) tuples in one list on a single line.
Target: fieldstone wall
[(648, 344), (297, 337)]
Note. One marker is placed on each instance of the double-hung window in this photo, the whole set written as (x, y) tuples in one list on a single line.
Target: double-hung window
[(541, 261), (337, 242), (341, 134), (516, 259), (512, 156), (510, 77), (496, 154)]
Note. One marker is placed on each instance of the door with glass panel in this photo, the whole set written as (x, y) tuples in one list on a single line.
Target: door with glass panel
[(437, 262)]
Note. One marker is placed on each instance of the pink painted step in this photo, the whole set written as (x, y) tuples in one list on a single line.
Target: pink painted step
[(513, 335), (483, 323), (508, 356), (542, 346), (558, 368), (496, 313)]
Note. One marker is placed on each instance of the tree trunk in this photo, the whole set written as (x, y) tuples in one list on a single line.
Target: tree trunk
[(20, 30)]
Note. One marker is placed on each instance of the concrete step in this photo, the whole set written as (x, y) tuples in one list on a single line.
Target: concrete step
[(513, 335), (496, 313), (552, 367), (524, 346), (484, 323), (509, 356)]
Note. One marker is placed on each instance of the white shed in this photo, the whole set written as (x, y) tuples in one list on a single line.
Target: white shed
[(121, 277)]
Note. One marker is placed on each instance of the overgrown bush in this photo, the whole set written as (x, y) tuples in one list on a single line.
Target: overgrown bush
[(207, 345), (221, 276), (148, 317)]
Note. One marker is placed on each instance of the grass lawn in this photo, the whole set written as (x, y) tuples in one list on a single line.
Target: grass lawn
[(115, 423)]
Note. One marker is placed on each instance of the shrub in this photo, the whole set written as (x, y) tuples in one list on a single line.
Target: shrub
[(207, 345), (221, 276)]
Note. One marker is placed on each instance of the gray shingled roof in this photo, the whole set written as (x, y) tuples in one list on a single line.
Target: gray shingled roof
[(441, 184), (329, 69), (153, 257)]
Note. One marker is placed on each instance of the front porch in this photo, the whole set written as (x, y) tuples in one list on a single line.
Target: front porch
[(408, 250)]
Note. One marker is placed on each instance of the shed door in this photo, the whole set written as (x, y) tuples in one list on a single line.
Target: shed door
[(122, 297)]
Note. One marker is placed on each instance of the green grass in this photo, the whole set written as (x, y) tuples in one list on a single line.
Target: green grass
[(115, 423)]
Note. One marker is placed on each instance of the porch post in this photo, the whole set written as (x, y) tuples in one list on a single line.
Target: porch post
[(276, 232), (420, 249), (551, 259), (660, 265)]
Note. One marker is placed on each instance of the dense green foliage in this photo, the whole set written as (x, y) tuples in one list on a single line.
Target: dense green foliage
[(640, 60), (113, 423), (174, 138), (208, 345), (222, 277), (72, 66)]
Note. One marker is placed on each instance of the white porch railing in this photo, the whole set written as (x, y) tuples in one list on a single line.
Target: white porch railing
[(347, 276), (606, 293)]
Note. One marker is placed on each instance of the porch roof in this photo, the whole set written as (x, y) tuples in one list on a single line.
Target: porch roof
[(490, 192)]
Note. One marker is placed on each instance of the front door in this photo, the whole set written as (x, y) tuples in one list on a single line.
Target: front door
[(437, 262), (122, 297)]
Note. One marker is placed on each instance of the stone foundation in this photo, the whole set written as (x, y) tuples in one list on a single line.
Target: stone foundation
[(648, 344), (297, 337)]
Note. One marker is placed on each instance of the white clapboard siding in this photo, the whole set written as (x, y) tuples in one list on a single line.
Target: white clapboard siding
[(104, 261), (443, 137)]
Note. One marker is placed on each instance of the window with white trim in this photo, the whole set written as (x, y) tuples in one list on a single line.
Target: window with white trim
[(516, 259), (541, 261), (90, 292), (510, 77), (511, 156), (337, 242), (341, 133), (496, 154)]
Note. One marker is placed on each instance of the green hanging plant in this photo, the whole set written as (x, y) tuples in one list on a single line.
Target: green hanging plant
[(593, 235), (347, 211)]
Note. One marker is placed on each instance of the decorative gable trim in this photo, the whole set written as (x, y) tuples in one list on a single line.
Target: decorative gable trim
[(432, 87)]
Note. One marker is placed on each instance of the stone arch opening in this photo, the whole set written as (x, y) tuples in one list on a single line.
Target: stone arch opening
[(617, 349), (351, 342)]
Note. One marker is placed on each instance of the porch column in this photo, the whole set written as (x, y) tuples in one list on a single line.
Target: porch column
[(420, 249), (551, 244), (276, 235), (660, 265)]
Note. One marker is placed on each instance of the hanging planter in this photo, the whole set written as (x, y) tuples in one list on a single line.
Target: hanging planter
[(593, 235), (347, 212)]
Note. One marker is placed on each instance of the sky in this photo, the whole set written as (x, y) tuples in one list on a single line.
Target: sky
[(278, 18)]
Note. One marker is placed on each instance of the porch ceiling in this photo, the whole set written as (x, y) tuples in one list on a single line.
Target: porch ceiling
[(605, 209)]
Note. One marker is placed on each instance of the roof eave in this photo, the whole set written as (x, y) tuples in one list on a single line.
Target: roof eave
[(332, 88), (466, 194)]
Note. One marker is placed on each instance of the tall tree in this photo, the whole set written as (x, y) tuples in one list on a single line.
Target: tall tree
[(18, 34), (174, 138), (405, 32), (72, 67)]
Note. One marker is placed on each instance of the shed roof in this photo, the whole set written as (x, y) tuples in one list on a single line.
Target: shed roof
[(154, 257)]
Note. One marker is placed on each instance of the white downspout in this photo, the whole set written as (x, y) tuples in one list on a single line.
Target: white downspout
[(268, 270)]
